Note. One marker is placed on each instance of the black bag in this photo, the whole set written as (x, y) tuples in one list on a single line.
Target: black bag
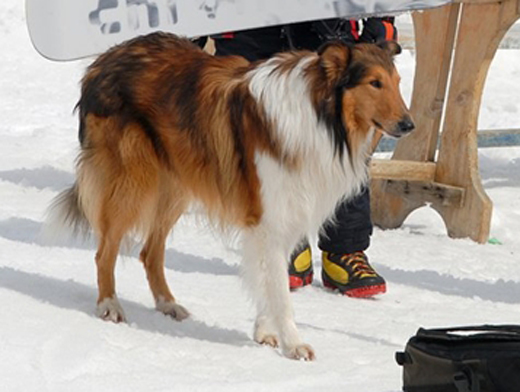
[(466, 359)]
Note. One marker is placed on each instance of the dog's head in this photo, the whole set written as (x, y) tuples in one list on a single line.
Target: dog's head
[(364, 87)]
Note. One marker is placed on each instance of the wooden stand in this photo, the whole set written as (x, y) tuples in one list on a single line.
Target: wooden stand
[(469, 34)]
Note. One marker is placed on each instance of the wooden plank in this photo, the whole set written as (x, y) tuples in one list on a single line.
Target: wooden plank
[(434, 33), (457, 163), (427, 192), (402, 170)]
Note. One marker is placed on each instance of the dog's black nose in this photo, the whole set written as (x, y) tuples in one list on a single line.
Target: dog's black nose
[(406, 125)]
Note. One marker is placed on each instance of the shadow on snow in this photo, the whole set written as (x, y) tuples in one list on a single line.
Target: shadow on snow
[(77, 296), (29, 231)]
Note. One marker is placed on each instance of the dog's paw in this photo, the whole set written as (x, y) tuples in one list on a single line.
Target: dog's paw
[(267, 340), (264, 333), (110, 310), (300, 352), (172, 309)]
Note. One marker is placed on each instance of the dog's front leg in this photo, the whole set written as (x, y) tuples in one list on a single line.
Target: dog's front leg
[(279, 306), (265, 274)]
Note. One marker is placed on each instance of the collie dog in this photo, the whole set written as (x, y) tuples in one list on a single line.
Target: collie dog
[(267, 148)]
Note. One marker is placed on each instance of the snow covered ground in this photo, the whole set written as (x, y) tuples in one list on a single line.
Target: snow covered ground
[(50, 339)]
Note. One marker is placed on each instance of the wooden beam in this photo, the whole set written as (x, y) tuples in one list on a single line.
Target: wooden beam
[(434, 31), (427, 192), (402, 170), (457, 161)]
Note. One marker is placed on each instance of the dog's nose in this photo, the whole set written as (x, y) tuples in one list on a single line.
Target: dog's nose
[(406, 125)]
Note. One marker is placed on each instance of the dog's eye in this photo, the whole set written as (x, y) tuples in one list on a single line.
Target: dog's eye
[(376, 83)]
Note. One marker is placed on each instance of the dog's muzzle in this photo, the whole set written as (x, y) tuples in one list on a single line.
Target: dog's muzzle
[(406, 125), (402, 128)]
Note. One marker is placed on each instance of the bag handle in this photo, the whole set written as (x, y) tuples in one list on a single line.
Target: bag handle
[(509, 329)]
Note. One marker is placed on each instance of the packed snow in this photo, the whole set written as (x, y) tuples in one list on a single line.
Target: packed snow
[(50, 339)]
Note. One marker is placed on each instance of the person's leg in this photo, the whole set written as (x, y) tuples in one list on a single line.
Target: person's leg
[(345, 265), (301, 271), (310, 36), (352, 227), (256, 44)]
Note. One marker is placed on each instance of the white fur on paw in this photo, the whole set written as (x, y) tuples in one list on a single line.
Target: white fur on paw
[(110, 310), (264, 333), (267, 339), (300, 352), (172, 309)]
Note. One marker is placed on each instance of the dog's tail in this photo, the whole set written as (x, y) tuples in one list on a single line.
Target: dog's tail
[(66, 212)]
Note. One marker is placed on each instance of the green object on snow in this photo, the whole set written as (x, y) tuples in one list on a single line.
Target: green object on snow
[(494, 241)]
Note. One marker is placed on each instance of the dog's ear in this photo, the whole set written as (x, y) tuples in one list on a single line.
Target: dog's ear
[(334, 59), (391, 47)]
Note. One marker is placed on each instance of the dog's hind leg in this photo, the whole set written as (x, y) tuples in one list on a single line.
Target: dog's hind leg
[(265, 273), (118, 183), (152, 257), (119, 213), (110, 221), (108, 307)]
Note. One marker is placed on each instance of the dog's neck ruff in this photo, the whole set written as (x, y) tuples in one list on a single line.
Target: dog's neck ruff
[(322, 175), (284, 93)]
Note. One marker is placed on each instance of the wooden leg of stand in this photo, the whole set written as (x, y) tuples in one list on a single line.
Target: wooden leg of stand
[(481, 28), (434, 36)]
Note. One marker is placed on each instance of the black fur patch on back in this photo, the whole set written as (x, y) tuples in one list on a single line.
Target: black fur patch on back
[(109, 93), (182, 89), (186, 98)]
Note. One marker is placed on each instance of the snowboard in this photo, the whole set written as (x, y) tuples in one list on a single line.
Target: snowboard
[(73, 29)]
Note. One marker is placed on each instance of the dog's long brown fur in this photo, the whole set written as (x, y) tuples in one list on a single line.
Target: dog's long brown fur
[(158, 85), (163, 124), (132, 99)]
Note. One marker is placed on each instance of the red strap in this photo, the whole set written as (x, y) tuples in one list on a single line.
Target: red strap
[(354, 29), (390, 33)]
